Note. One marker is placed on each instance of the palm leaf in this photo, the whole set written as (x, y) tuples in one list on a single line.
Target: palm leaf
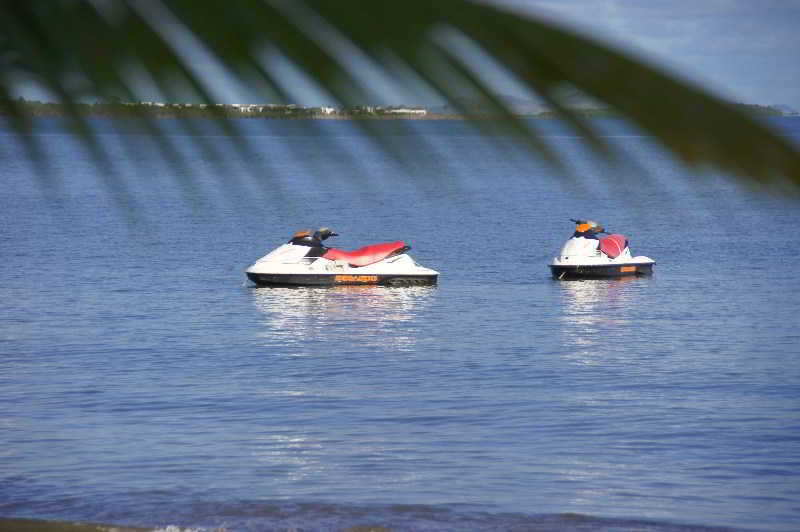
[(82, 49)]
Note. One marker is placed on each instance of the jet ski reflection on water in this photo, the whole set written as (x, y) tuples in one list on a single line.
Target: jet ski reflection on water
[(305, 261), (587, 256)]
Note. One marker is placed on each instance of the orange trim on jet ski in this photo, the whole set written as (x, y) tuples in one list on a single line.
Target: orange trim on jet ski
[(355, 279), (366, 255)]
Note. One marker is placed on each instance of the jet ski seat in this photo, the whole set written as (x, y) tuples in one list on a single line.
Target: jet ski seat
[(613, 245), (368, 254)]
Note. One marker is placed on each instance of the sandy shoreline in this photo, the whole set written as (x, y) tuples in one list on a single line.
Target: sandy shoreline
[(11, 524)]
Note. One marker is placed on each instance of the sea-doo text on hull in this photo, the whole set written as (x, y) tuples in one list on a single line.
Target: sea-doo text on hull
[(305, 261), (585, 256)]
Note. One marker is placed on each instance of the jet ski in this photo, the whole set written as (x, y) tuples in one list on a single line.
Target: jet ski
[(305, 261), (588, 256)]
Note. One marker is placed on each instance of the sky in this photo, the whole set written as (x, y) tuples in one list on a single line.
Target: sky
[(744, 50)]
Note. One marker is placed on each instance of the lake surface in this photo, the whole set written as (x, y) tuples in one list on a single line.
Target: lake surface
[(145, 382)]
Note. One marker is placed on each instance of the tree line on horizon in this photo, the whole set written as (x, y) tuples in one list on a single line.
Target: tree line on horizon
[(158, 109)]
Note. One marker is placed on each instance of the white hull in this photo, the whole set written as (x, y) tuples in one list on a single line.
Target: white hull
[(581, 257), (289, 265)]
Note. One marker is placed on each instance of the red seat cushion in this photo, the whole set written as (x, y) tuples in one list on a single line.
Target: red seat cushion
[(613, 245), (366, 255)]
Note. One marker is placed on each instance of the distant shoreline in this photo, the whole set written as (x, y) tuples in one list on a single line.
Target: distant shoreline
[(23, 107)]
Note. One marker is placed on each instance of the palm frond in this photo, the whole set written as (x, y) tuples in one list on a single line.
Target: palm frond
[(82, 49)]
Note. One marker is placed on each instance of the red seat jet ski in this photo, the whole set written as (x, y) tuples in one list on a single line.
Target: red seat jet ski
[(305, 261), (587, 255)]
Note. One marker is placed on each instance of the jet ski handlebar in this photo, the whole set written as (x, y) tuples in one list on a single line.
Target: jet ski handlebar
[(323, 232), (306, 237), (588, 226)]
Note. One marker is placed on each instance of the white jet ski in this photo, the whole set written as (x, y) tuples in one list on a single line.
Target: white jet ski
[(305, 261), (587, 256)]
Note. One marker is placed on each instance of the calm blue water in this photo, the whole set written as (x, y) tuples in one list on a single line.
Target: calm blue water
[(144, 382)]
